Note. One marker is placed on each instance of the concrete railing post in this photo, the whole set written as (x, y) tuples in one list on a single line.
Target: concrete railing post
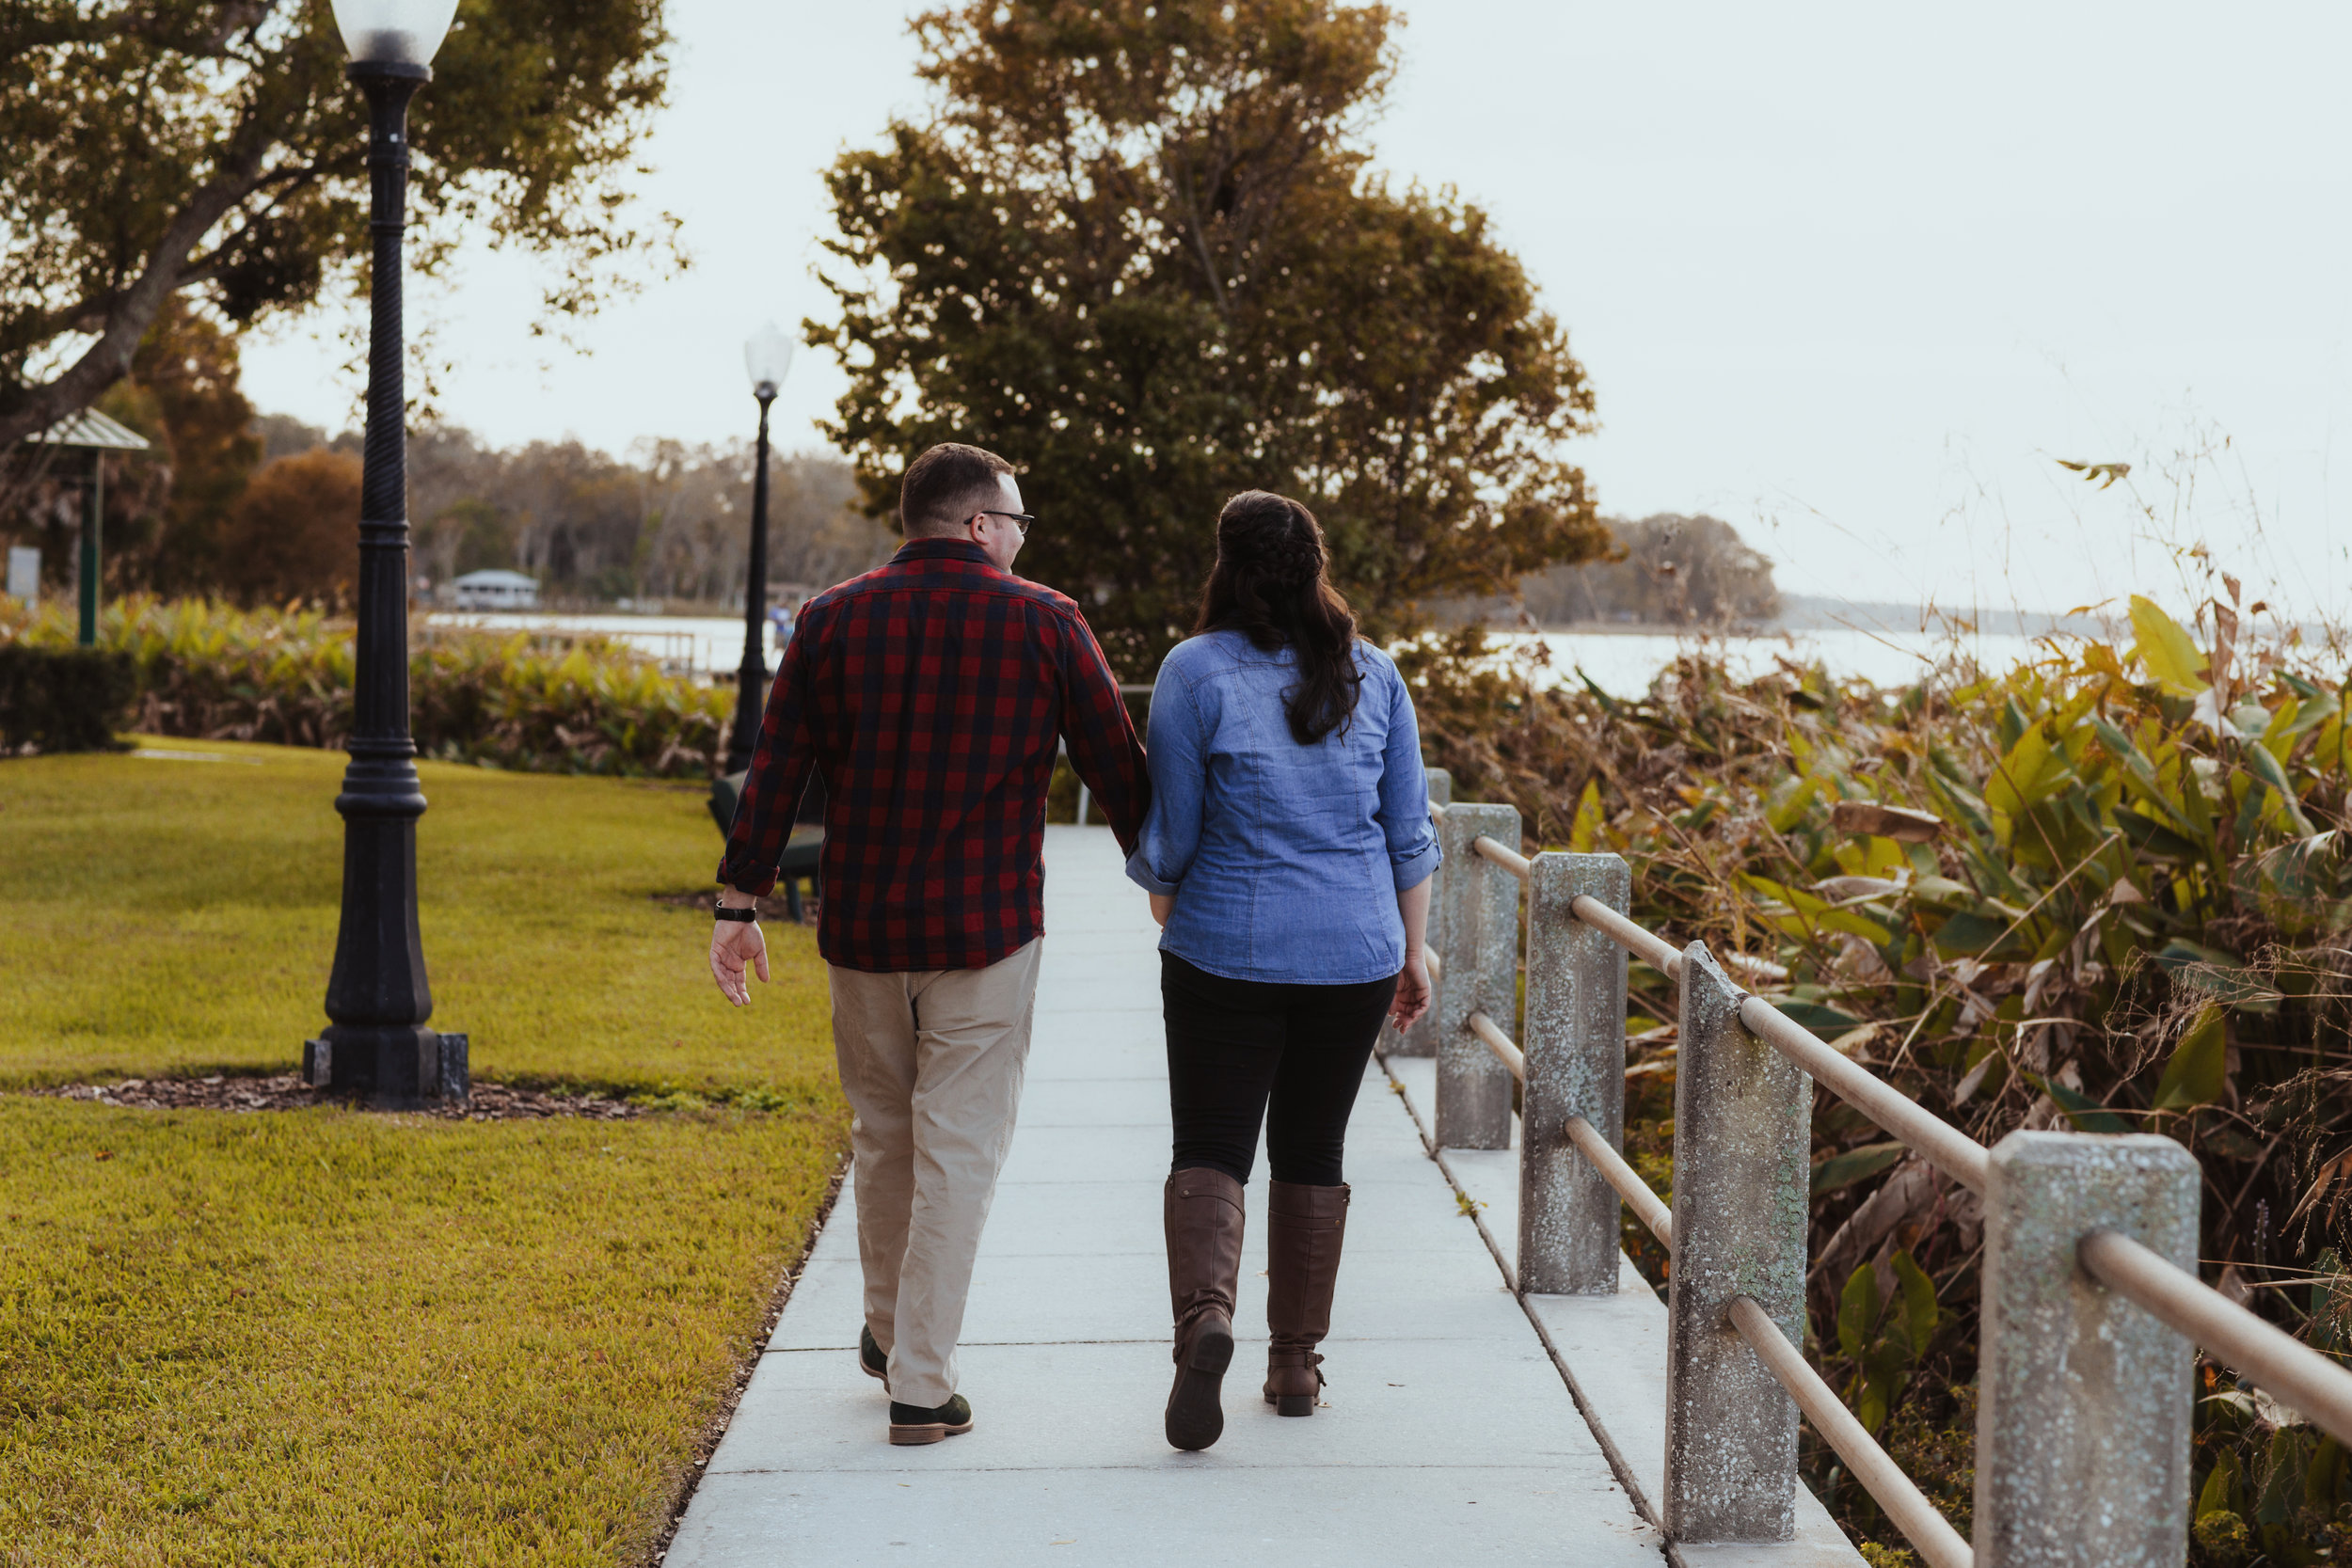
[(2084, 1399), (1421, 1038), (1574, 1037), (1742, 1174), (1482, 974)]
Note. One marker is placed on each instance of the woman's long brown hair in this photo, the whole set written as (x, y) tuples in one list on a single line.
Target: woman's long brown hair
[(1270, 582)]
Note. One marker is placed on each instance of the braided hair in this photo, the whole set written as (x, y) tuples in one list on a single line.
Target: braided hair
[(1269, 582)]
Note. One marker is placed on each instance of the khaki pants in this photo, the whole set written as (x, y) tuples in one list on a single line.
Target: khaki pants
[(931, 1061)]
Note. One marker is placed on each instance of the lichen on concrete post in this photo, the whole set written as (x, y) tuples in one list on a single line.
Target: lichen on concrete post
[(1421, 1038), (2084, 1400), (1742, 1175), (1574, 1037), (1482, 971)]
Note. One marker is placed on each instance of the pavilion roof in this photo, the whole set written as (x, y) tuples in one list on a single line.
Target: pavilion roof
[(91, 431)]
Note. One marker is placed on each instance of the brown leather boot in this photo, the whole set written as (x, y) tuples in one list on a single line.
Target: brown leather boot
[(1203, 1215), (1304, 1229)]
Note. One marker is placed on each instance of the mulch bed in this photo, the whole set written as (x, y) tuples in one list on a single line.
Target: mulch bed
[(287, 1092)]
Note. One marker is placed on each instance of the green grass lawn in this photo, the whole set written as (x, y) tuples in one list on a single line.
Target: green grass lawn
[(179, 917), (326, 1337)]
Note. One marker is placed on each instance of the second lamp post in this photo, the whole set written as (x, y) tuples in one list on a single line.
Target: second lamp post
[(767, 355)]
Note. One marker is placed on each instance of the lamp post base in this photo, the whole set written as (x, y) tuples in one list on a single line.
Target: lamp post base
[(390, 1068)]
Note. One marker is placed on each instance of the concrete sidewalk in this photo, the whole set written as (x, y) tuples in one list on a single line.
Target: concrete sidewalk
[(1447, 1432)]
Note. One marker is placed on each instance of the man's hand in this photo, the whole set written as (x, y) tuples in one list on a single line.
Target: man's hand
[(1412, 993), (1162, 904), (735, 944)]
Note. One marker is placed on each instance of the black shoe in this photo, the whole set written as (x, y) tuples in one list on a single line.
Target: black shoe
[(910, 1424), (870, 1359)]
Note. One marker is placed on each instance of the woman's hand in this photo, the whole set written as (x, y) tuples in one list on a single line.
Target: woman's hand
[(1412, 993), (1162, 904)]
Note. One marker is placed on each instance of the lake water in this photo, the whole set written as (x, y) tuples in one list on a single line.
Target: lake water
[(1620, 663), (1624, 663), (688, 644)]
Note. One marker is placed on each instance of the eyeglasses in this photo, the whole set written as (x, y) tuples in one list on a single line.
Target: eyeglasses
[(1020, 520)]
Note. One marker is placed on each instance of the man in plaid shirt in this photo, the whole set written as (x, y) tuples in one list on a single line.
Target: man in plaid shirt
[(929, 692)]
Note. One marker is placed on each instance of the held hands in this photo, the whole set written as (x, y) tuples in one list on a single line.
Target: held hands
[(735, 944), (1412, 993)]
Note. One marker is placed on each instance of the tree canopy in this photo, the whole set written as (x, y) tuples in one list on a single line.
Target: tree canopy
[(1139, 248), (212, 149)]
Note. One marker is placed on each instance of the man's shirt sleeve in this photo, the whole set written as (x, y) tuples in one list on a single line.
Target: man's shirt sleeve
[(780, 769), (1103, 748)]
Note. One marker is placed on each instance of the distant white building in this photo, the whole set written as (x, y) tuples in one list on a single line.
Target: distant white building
[(23, 574), (496, 590)]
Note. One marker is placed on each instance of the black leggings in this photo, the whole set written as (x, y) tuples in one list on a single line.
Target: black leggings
[(1232, 1044)]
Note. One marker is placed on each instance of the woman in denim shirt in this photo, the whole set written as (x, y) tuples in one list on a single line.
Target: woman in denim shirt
[(1288, 855)]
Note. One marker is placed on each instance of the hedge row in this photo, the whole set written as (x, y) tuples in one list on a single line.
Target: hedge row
[(202, 670)]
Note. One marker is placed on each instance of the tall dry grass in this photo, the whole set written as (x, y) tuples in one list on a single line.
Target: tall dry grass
[(2109, 889)]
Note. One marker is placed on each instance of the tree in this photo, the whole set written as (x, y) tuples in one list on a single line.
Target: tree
[(671, 520), (188, 363), (289, 535), (1136, 249), (212, 148)]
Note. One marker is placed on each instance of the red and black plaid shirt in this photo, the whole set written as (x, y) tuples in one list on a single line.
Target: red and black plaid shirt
[(929, 692)]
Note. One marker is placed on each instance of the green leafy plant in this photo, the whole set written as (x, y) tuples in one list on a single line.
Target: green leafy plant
[(206, 671), (1886, 1317), (2107, 890)]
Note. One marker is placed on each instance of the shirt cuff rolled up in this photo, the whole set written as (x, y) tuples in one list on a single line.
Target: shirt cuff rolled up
[(748, 879), (1140, 873), (1416, 869)]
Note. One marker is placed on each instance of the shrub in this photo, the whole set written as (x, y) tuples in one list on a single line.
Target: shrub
[(209, 671), (290, 534), (63, 698)]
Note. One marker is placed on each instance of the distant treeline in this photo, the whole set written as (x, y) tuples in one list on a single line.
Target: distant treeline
[(671, 520), (1668, 570), (1696, 572), (263, 508)]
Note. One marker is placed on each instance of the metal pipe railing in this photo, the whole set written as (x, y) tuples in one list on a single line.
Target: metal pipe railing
[(1652, 949), (1638, 1196), (1510, 859), (1939, 1544), (1500, 1043), (2093, 1460), (1905, 1504), (1942, 1144), (2282, 1366)]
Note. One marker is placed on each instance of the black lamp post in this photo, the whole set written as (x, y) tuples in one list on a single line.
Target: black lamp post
[(379, 1048), (767, 355)]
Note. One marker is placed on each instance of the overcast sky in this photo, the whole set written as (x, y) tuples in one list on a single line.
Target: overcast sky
[(1851, 277)]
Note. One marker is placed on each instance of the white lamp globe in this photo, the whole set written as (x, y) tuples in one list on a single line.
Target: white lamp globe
[(767, 355), (394, 32)]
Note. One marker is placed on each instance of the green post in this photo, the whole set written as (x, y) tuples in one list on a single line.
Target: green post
[(93, 515)]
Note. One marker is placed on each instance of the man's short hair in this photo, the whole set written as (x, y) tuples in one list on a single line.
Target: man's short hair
[(945, 486)]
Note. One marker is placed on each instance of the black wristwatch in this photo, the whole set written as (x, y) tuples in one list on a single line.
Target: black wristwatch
[(750, 913)]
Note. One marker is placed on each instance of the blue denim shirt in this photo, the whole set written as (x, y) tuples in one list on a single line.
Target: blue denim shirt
[(1285, 860)]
